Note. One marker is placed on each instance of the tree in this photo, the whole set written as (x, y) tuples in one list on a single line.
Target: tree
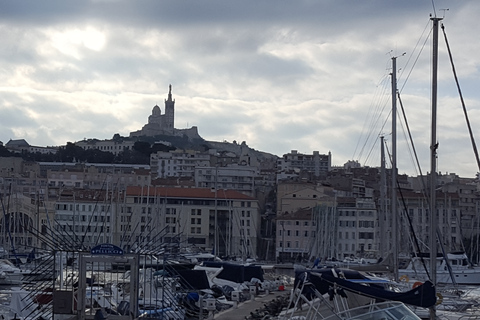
[(70, 152)]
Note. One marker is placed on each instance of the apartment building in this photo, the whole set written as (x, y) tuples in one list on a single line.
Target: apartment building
[(94, 175), (21, 145), (296, 233), (292, 196), (357, 228), (178, 163), (166, 218), (315, 163), (234, 177), (114, 146), (83, 219), (448, 211)]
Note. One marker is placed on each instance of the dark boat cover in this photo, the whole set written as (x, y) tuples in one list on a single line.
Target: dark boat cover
[(236, 272), (353, 281), (193, 279)]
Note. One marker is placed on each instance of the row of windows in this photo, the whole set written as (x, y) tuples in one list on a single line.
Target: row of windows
[(196, 221), (348, 213), (366, 224), (340, 235), (94, 229), (82, 218), (297, 223), (242, 222), (187, 201), (196, 230), (81, 207), (365, 235), (288, 244), (297, 233), (242, 232), (347, 224)]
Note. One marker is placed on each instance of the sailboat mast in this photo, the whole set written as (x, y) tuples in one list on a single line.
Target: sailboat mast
[(433, 155), (433, 159), (383, 197), (394, 219)]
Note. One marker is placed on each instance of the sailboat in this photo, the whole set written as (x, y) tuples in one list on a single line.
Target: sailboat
[(329, 293), (332, 293), (440, 268), (455, 268)]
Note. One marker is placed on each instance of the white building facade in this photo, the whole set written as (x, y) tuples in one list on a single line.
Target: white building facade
[(232, 177), (158, 218)]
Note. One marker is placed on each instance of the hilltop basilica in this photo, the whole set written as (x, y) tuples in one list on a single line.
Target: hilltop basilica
[(163, 124)]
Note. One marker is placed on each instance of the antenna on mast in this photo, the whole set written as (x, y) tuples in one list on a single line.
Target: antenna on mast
[(444, 10)]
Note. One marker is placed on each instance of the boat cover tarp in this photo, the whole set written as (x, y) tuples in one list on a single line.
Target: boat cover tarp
[(253, 272), (236, 272), (193, 279), (353, 281)]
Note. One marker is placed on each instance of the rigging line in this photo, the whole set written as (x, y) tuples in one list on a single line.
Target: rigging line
[(412, 143), (47, 241), (418, 55), (149, 234), (374, 122), (438, 231), (132, 233), (106, 208), (379, 134), (412, 230), (128, 220), (62, 239), (101, 195), (153, 242), (368, 114), (373, 118), (375, 125), (412, 233), (434, 10), (472, 139), (93, 211)]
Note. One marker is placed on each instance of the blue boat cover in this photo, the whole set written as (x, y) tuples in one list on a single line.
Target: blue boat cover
[(324, 279)]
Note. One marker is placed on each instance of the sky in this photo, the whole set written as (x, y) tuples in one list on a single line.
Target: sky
[(305, 75)]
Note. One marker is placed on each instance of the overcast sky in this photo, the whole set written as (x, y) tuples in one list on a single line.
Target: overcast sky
[(280, 75)]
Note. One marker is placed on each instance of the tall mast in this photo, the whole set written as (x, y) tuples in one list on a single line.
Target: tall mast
[(433, 159), (383, 196), (394, 219), (433, 154)]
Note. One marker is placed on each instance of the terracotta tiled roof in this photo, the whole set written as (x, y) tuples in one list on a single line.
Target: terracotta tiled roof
[(199, 193)]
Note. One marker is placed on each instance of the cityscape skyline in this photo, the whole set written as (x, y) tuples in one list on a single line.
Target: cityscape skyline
[(302, 76)]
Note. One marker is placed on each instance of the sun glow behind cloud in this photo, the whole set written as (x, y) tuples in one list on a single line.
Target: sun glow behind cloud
[(70, 42)]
